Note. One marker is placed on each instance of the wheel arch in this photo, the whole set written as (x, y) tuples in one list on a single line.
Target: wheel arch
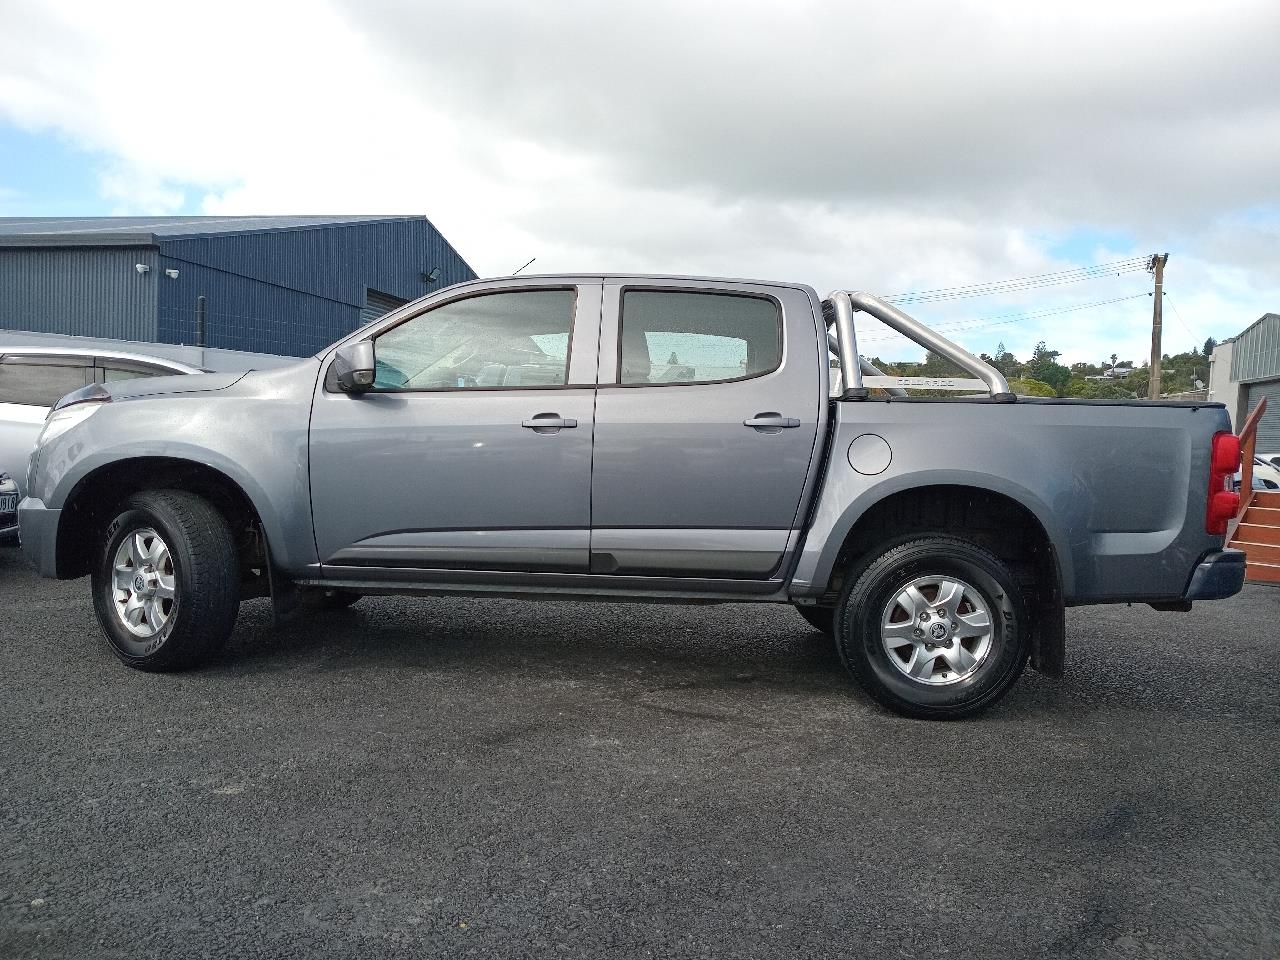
[(97, 496), (1016, 500), (1011, 527)]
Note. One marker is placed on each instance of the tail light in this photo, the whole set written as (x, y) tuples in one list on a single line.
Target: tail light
[(1224, 502)]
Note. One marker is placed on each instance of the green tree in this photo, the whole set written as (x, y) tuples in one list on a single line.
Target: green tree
[(936, 365), (1044, 367), (1004, 361), (1137, 382), (1209, 346), (1107, 390), (1032, 388)]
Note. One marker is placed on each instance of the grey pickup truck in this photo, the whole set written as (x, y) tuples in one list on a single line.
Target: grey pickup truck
[(641, 437)]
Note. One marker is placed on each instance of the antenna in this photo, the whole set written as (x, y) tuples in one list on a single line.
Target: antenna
[(531, 259)]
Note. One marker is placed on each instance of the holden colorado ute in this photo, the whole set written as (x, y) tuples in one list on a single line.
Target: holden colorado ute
[(650, 438)]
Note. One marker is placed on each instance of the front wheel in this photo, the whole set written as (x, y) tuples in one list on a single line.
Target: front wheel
[(934, 628), (166, 587)]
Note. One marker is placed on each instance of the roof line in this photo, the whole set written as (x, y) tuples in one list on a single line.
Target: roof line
[(113, 234), (78, 240), (326, 225)]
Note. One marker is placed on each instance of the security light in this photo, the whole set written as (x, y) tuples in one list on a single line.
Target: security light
[(171, 274), (141, 267), (431, 277)]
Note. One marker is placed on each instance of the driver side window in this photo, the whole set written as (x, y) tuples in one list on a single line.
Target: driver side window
[(496, 340)]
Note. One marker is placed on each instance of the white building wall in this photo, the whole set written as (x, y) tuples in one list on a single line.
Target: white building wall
[(1222, 389)]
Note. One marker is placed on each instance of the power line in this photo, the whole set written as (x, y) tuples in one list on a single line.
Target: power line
[(1169, 300), (1017, 284), (981, 323), (1120, 266)]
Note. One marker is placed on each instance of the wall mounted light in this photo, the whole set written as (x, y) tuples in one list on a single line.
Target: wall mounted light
[(171, 274), (431, 277), (141, 267)]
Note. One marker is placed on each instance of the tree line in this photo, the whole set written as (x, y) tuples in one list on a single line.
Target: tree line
[(1043, 376)]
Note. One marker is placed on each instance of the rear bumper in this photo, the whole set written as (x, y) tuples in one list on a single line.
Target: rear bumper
[(1219, 575), (39, 526)]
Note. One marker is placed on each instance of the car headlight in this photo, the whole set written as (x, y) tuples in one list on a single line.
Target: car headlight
[(60, 421)]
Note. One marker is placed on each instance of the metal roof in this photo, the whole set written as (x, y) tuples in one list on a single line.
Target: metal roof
[(1256, 354), (119, 231)]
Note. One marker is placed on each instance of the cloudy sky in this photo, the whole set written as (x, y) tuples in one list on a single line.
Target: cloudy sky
[(893, 147)]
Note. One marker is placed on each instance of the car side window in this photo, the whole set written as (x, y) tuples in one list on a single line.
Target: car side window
[(38, 383), (685, 338), (496, 340), (129, 373)]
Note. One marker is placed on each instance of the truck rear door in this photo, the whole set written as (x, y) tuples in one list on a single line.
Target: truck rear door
[(707, 415)]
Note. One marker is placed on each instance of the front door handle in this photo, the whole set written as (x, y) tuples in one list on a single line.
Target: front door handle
[(771, 421), (549, 423)]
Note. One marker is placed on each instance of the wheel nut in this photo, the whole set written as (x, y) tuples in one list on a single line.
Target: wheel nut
[(919, 632)]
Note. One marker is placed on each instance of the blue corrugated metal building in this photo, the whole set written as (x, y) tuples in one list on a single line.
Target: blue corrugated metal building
[(282, 285)]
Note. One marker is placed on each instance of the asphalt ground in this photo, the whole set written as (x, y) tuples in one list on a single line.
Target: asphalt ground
[(493, 778)]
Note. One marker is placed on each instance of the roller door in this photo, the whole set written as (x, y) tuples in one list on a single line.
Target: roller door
[(377, 303), (1269, 425)]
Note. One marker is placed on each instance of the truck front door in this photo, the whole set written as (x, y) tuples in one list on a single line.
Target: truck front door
[(473, 449), (706, 423)]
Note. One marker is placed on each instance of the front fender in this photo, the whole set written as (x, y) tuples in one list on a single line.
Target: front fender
[(260, 447)]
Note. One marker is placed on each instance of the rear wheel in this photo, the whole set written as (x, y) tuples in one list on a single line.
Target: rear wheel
[(166, 587), (934, 628)]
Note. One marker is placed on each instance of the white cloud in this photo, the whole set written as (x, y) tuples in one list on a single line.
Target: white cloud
[(889, 147)]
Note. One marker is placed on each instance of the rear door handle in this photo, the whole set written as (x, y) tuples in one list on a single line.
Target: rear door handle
[(549, 422), (775, 421)]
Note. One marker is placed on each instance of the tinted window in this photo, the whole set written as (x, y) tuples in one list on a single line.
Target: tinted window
[(114, 373), (39, 384), (518, 339), (129, 373), (697, 337)]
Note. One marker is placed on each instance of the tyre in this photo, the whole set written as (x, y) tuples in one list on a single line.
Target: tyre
[(820, 618), (335, 599), (934, 628), (166, 586)]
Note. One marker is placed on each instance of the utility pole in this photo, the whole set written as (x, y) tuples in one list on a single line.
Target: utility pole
[(1156, 266)]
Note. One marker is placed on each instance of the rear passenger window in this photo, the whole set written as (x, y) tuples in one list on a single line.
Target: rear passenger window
[(676, 338), (36, 383)]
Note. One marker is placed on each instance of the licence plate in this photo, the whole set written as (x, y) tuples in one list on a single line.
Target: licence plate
[(8, 503)]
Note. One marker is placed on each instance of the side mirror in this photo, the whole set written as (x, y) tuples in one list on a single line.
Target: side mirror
[(353, 366)]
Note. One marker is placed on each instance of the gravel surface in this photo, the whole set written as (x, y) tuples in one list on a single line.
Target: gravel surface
[(495, 778)]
